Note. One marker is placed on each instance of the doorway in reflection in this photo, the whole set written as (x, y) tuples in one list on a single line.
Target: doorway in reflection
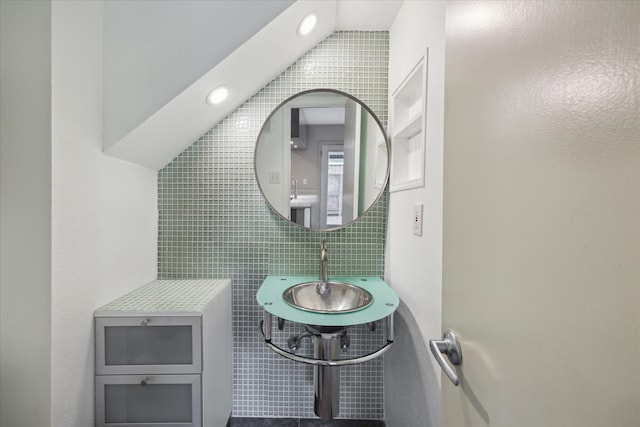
[(333, 188)]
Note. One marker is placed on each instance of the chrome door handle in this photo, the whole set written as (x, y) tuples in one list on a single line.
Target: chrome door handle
[(450, 346)]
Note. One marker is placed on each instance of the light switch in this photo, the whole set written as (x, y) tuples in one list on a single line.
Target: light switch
[(417, 219)]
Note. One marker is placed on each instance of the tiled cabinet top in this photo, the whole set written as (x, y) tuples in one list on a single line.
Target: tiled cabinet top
[(166, 298)]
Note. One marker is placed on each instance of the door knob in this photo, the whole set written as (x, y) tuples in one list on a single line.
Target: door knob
[(450, 346)]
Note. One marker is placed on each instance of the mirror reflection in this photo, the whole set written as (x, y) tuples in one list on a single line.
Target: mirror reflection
[(321, 159)]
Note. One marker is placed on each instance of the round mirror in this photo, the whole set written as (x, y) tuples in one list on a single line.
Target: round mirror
[(322, 159)]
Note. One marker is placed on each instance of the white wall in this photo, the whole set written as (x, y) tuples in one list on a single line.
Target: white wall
[(104, 227), (369, 159), (25, 213), (272, 151), (156, 49), (414, 264)]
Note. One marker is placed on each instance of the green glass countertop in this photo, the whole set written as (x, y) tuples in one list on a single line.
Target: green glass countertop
[(270, 299)]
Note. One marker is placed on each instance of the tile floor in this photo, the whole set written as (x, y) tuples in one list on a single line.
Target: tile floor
[(302, 422)]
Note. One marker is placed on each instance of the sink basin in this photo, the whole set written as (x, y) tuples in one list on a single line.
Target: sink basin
[(327, 297), (271, 297)]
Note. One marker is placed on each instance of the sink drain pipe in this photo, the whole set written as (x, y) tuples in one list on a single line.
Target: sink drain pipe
[(326, 378), (326, 350)]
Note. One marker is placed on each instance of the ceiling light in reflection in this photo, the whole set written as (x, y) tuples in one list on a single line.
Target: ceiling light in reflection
[(472, 17), (308, 67), (242, 123), (587, 87)]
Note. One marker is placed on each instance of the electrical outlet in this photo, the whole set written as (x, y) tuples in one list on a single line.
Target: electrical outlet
[(274, 177), (417, 219)]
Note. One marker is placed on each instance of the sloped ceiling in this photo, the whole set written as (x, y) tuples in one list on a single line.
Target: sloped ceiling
[(161, 59)]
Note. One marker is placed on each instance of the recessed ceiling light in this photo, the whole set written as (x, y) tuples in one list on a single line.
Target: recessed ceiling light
[(307, 24), (217, 95)]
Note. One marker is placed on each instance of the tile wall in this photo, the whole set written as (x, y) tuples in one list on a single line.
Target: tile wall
[(214, 224)]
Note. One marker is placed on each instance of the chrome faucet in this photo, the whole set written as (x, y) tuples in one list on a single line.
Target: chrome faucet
[(324, 259)]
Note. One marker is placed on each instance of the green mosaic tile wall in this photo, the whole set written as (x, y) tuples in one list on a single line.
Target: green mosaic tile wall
[(213, 223)]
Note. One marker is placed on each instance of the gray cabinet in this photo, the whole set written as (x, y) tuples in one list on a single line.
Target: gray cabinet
[(148, 345), (156, 367), (148, 400)]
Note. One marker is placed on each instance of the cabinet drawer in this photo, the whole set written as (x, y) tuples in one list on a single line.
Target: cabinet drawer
[(148, 345), (148, 401)]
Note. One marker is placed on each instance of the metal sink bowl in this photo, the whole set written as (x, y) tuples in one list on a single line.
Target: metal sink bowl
[(327, 297)]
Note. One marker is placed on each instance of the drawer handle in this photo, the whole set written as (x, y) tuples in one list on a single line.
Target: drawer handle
[(145, 322), (144, 381)]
